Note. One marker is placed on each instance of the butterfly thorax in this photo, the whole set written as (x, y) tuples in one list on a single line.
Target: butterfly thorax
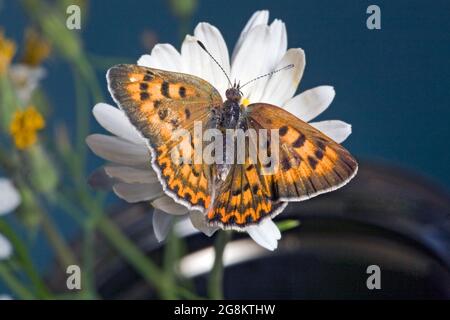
[(231, 109), (230, 118)]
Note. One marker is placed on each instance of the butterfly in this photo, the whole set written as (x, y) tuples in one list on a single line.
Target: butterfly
[(158, 103)]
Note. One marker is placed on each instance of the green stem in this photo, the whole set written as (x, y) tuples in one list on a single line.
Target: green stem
[(215, 283), (88, 262), (131, 253), (171, 254), (187, 294), (25, 260), (62, 250), (8, 102), (14, 284)]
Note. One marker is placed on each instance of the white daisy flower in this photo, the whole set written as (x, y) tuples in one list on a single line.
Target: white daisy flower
[(26, 79), (9, 201), (261, 48)]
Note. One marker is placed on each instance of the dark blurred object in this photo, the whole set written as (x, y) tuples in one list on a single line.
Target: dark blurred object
[(385, 216), (148, 40)]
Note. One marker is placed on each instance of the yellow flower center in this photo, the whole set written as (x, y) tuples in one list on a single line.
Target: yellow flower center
[(7, 51), (36, 49), (24, 127), (245, 102)]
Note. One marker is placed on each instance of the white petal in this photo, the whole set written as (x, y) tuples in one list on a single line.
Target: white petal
[(164, 56), (278, 40), (199, 222), (161, 224), (252, 60), (193, 58), (266, 234), (117, 150), (335, 129), (137, 192), (273, 229), (282, 85), (310, 103), (9, 196), (131, 175), (145, 61), (5, 248), (185, 228), (259, 54), (197, 61), (168, 205), (116, 122), (258, 18), (214, 42)]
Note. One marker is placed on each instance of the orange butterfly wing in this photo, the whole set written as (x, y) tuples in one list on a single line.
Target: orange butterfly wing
[(158, 103), (308, 164)]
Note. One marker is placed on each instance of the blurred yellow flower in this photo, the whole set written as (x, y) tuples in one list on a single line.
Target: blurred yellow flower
[(24, 127), (36, 49), (7, 51)]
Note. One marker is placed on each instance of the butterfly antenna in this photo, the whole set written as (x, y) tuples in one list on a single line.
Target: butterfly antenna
[(214, 59), (289, 66)]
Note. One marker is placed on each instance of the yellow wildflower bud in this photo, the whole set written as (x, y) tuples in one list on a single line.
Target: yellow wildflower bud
[(7, 51), (37, 49), (24, 127)]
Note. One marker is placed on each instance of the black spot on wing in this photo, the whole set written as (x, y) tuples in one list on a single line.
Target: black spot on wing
[(319, 154), (285, 164), (162, 114), (236, 192), (299, 142), (195, 172), (201, 202), (187, 112), (312, 162), (182, 92), (250, 167), (283, 130), (144, 96), (249, 219), (165, 89)]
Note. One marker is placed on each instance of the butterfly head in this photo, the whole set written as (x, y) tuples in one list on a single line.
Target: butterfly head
[(234, 93)]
